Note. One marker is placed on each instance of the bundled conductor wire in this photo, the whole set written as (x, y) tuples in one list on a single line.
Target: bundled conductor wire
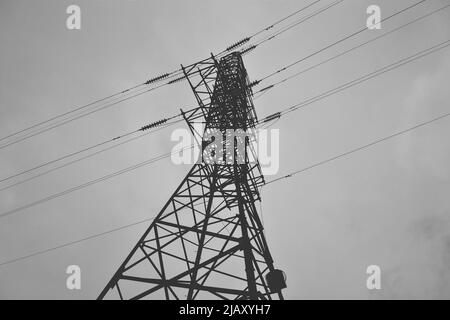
[(271, 117), (247, 50)]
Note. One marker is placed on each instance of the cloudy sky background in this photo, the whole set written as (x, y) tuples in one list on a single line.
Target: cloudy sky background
[(388, 205)]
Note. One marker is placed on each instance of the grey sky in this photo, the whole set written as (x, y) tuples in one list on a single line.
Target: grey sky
[(387, 206)]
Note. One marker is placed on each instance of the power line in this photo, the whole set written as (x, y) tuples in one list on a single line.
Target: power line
[(369, 76), (350, 84), (251, 47), (129, 90), (342, 155), (75, 242), (285, 111), (55, 117), (96, 110), (84, 157), (71, 243), (65, 157), (76, 117), (270, 182), (267, 88), (300, 21), (338, 41), (364, 78), (89, 183), (266, 29), (371, 144), (284, 19), (144, 128), (83, 150), (92, 182)]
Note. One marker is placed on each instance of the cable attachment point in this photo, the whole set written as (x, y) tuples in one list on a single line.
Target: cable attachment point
[(246, 50), (165, 75), (254, 83), (238, 44), (154, 124), (266, 88), (271, 117)]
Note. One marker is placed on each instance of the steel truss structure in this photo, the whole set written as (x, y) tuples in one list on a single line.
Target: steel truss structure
[(208, 242)]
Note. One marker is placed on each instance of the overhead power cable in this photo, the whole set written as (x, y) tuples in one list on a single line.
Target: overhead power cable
[(342, 155), (247, 39), (269, 87), (284, 18), (256, 44), (67, 244), (290, 175), (339, 41), (82, 107), (300, 21), (69, 116), (369, 76), (81, 158), (92, 182), (350, 84), (360, 148), (362, 79), (93, 236), (257, 82), (75, 116)]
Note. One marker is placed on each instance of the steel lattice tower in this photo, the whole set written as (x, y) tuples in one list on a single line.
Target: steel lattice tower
[(208, 241)]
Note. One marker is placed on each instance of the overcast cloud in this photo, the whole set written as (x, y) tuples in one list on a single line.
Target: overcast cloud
[(388, 205)]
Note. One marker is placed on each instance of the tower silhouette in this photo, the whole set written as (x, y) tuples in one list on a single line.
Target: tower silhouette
[(208, 242)]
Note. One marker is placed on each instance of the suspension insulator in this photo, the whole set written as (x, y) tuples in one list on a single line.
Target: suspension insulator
[(272, 117), (157, 78), (254, 83), (238, 44), (154, 124)]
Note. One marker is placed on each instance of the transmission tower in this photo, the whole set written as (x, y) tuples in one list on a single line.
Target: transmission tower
[(208, 242)]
